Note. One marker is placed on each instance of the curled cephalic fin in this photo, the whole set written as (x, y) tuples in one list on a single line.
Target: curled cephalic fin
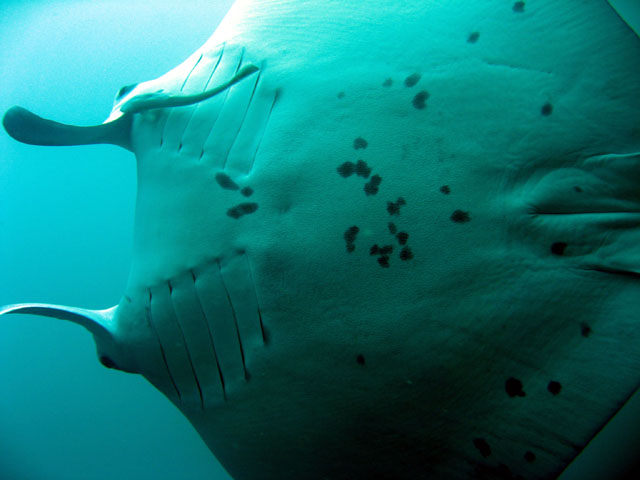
[(160, 99), (27, 127), (98, 322)]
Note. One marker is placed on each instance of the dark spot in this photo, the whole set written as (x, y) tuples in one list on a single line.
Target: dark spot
[(518, 7), (107, 362), (225, 181), (128, 298), (402, 238), (384, 261), (351, 233), (347, 169), (460, 216), (359, 143), (585, 329), (394, 207), (386, 250), (557, 248), (577, 189), (340, 94), (124, 90), (546, 109), (445, 189), (242, 209), (392, 228), (554, 387), (360, 359), (473, 37), (374, 250), (406, 254), (482, 446), (371, 187), (350, 247), (388, 82), (419, 101), (412, 79), (513, 386), (362, 169), (247, 191), (529, 456)]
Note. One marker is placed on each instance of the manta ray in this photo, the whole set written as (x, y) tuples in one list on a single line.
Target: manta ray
[(383, 239)]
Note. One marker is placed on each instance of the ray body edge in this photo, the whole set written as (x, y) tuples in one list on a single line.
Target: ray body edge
[(380, 252)]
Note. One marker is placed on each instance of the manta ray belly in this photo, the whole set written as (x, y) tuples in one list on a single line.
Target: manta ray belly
[(402, 243), (345, 260)]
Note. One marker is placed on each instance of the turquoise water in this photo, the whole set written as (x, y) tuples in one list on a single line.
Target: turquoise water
[(66, 227)]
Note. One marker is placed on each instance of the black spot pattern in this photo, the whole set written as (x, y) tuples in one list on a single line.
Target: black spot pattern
[(247, 191), (383, 260), (242, 209), (513, 387), (460, 216), (394, 207), (340, 94), (347, 169), (518, 7), (226, 182), (386, 250), (406, 254), (420, 100), (577, 189), (360, 359), (372, 186), (402, 238), (392, 228), (529, 456), (445, 189), (554, 387), (362, 169), (412, 79), (585, 330), (360, 143), (482, 446), (388, 82), (558, 248), (546, 109), (473, 37), (350, 237)]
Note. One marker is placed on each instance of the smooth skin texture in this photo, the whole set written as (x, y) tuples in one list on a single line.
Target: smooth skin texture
[(405, 246)]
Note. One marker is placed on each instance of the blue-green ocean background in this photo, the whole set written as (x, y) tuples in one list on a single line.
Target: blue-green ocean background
[(66, 217)]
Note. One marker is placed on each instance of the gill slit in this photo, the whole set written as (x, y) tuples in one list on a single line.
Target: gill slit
[(191, 71), (251, 278), (186, 346), (244, 117), (255, 154), (164, 356), (235, 318), (213, 347), (226, 95)]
